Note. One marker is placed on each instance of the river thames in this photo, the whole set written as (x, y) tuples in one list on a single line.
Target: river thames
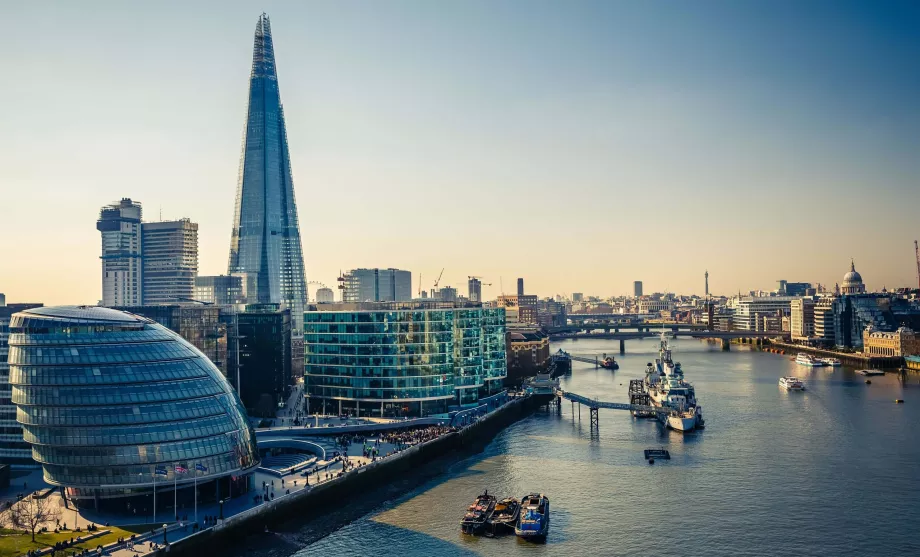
[(834, 470)]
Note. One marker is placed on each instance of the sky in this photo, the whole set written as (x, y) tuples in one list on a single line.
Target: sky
[(580, 145)]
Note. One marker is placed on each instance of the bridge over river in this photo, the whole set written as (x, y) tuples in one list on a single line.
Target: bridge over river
[(753, 337)]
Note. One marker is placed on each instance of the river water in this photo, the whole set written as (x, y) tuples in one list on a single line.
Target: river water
[(834, 470)]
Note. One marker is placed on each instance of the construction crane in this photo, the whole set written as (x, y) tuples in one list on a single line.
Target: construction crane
[(420, 285), (439, 278), (917, 253)]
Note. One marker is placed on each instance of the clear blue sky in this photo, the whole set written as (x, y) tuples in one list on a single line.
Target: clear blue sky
[(581, 145)]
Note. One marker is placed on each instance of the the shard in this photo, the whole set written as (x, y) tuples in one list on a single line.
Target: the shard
[(265, 244)]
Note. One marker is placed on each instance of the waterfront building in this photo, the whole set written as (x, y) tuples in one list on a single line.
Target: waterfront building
[(377, 285), (852, 282), (402, 359), (325, 295), (528, 352), (267, 360), (170, 261), (115, 405), (654, 306), (637, 289), (824, 320), (475, 289), (122, 267), (220, 290), (520, 288), (802, 318), (265, 241), (750, 310), (14, 451), (525, 306), (899, 343)]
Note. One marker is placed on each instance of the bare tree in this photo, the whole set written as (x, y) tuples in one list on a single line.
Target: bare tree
[(30, 513)]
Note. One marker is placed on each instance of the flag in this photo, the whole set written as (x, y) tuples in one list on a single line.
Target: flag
[(160, 471), (181, 469), (201, 467)]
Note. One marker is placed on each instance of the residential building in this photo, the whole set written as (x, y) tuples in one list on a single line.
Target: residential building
[(377, 285), (475, 289), (170, 261), (14, 451), (265, 241), (402, 359), (637, 288), (802, 318), (266, 357), (114, 404), (222, 290), (899, 343), (122, 267), (526, 307)]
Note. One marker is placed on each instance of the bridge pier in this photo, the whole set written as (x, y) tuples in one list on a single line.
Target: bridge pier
[(726, 345), (594, 422), (622, 347)]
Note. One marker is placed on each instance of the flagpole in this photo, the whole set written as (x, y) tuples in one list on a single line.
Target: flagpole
[(175, 492), (154, 495), (196, 493)]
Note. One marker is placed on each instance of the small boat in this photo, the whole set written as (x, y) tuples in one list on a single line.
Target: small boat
[(804, 359), (870, 372), (791, 383), (609, 363), (833, 362), (533, 522), (474, 521), (505, 516)]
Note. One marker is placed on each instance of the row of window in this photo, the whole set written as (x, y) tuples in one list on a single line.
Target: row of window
[(123, 394), (129, 435), (115, 475), (123, 415), (89, 336), (114, 374), (321, 391), (136, 454), (90, 355)]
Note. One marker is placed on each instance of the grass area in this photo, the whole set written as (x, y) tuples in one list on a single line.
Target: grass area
[(14, 544)]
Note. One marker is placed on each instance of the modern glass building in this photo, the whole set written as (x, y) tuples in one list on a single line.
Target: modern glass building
[(402, 359), (265, 241), (115, 405)]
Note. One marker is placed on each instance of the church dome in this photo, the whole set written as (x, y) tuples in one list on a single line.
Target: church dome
[(853, 277)]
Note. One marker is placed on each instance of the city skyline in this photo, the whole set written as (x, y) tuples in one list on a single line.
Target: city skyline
[(724, 156)]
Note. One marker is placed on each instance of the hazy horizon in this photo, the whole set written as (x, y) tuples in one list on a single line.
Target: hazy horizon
[(581, 146)]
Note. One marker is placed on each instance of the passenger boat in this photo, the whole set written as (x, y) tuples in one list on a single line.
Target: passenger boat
[(870, 372), (667, 390), (804, 359), (609, 363), (533, 522), (474, 521), (505, 516), (833, 362), (791, 383)]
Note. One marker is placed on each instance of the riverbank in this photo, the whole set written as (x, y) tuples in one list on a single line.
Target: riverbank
[(325, 498), (850, 358)]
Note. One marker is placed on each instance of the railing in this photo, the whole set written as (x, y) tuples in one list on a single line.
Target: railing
[(594, 403)]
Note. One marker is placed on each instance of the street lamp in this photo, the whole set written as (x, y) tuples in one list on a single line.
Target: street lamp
[(222, 501), (164, 534)]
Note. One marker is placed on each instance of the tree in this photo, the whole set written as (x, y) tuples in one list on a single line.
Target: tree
[(30, 513)]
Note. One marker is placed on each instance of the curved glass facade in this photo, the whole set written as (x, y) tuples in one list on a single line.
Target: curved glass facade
[(404, 361), (106, 397)]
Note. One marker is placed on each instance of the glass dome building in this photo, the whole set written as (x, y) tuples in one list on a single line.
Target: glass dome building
[(114, 404)]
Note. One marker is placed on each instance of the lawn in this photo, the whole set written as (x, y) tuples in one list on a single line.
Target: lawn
[(13, 544)]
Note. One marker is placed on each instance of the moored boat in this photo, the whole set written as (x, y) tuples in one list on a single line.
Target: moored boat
[(870, 372), (474, 521), (791, 383), (833, 362), (609, 363), (804, 359), (505, 516), (533, 521), (668, 391)]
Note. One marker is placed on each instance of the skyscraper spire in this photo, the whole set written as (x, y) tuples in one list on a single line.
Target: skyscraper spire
[(265, 241)]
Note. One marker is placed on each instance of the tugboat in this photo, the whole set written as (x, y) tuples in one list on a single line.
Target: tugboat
[(533, 523), (505, 517), (474, 521), (609, 363)]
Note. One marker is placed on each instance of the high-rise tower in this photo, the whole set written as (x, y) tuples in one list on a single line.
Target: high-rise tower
[(265, 243), (707, 282)]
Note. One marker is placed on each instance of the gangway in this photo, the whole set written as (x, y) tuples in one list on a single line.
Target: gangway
[(594, 404)]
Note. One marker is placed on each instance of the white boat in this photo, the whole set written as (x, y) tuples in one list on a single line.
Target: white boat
[(667, 390), (870, 372), (833, 362), (804, 359), (791, 383)]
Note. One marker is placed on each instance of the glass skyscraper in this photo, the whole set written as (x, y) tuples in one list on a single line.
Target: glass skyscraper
[(265, 242)]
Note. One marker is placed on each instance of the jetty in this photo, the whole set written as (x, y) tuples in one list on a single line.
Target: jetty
[(594, 405)]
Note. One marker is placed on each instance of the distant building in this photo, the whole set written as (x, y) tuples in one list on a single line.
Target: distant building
[(750, 311), (221, 290), (265, 358), (578, 297), (787, 288), (377, 285), (656, 306), (706, 290), (122, 267), (170, 259), (325, 296), (824, 320), (520, 287), (551, 313), (445, 293), (900, 343), (475, 289), (13, 448), (852, 282), (526, 307), (802, 318), (637, 288)]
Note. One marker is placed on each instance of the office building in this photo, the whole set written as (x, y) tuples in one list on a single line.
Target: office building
[(824, 321), (14, 451), (170, 261), (520, 287), (896, 344), (267, 360), (122, 267), (475, 289), (749, 311), (551, 313), (525, 306), (578, 297), (787, 288), (221, 290), (802, 318), (637, 288), (376, 285), (115, 405), (402, 359), (265, 240), (325, 296), (655, 305)]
